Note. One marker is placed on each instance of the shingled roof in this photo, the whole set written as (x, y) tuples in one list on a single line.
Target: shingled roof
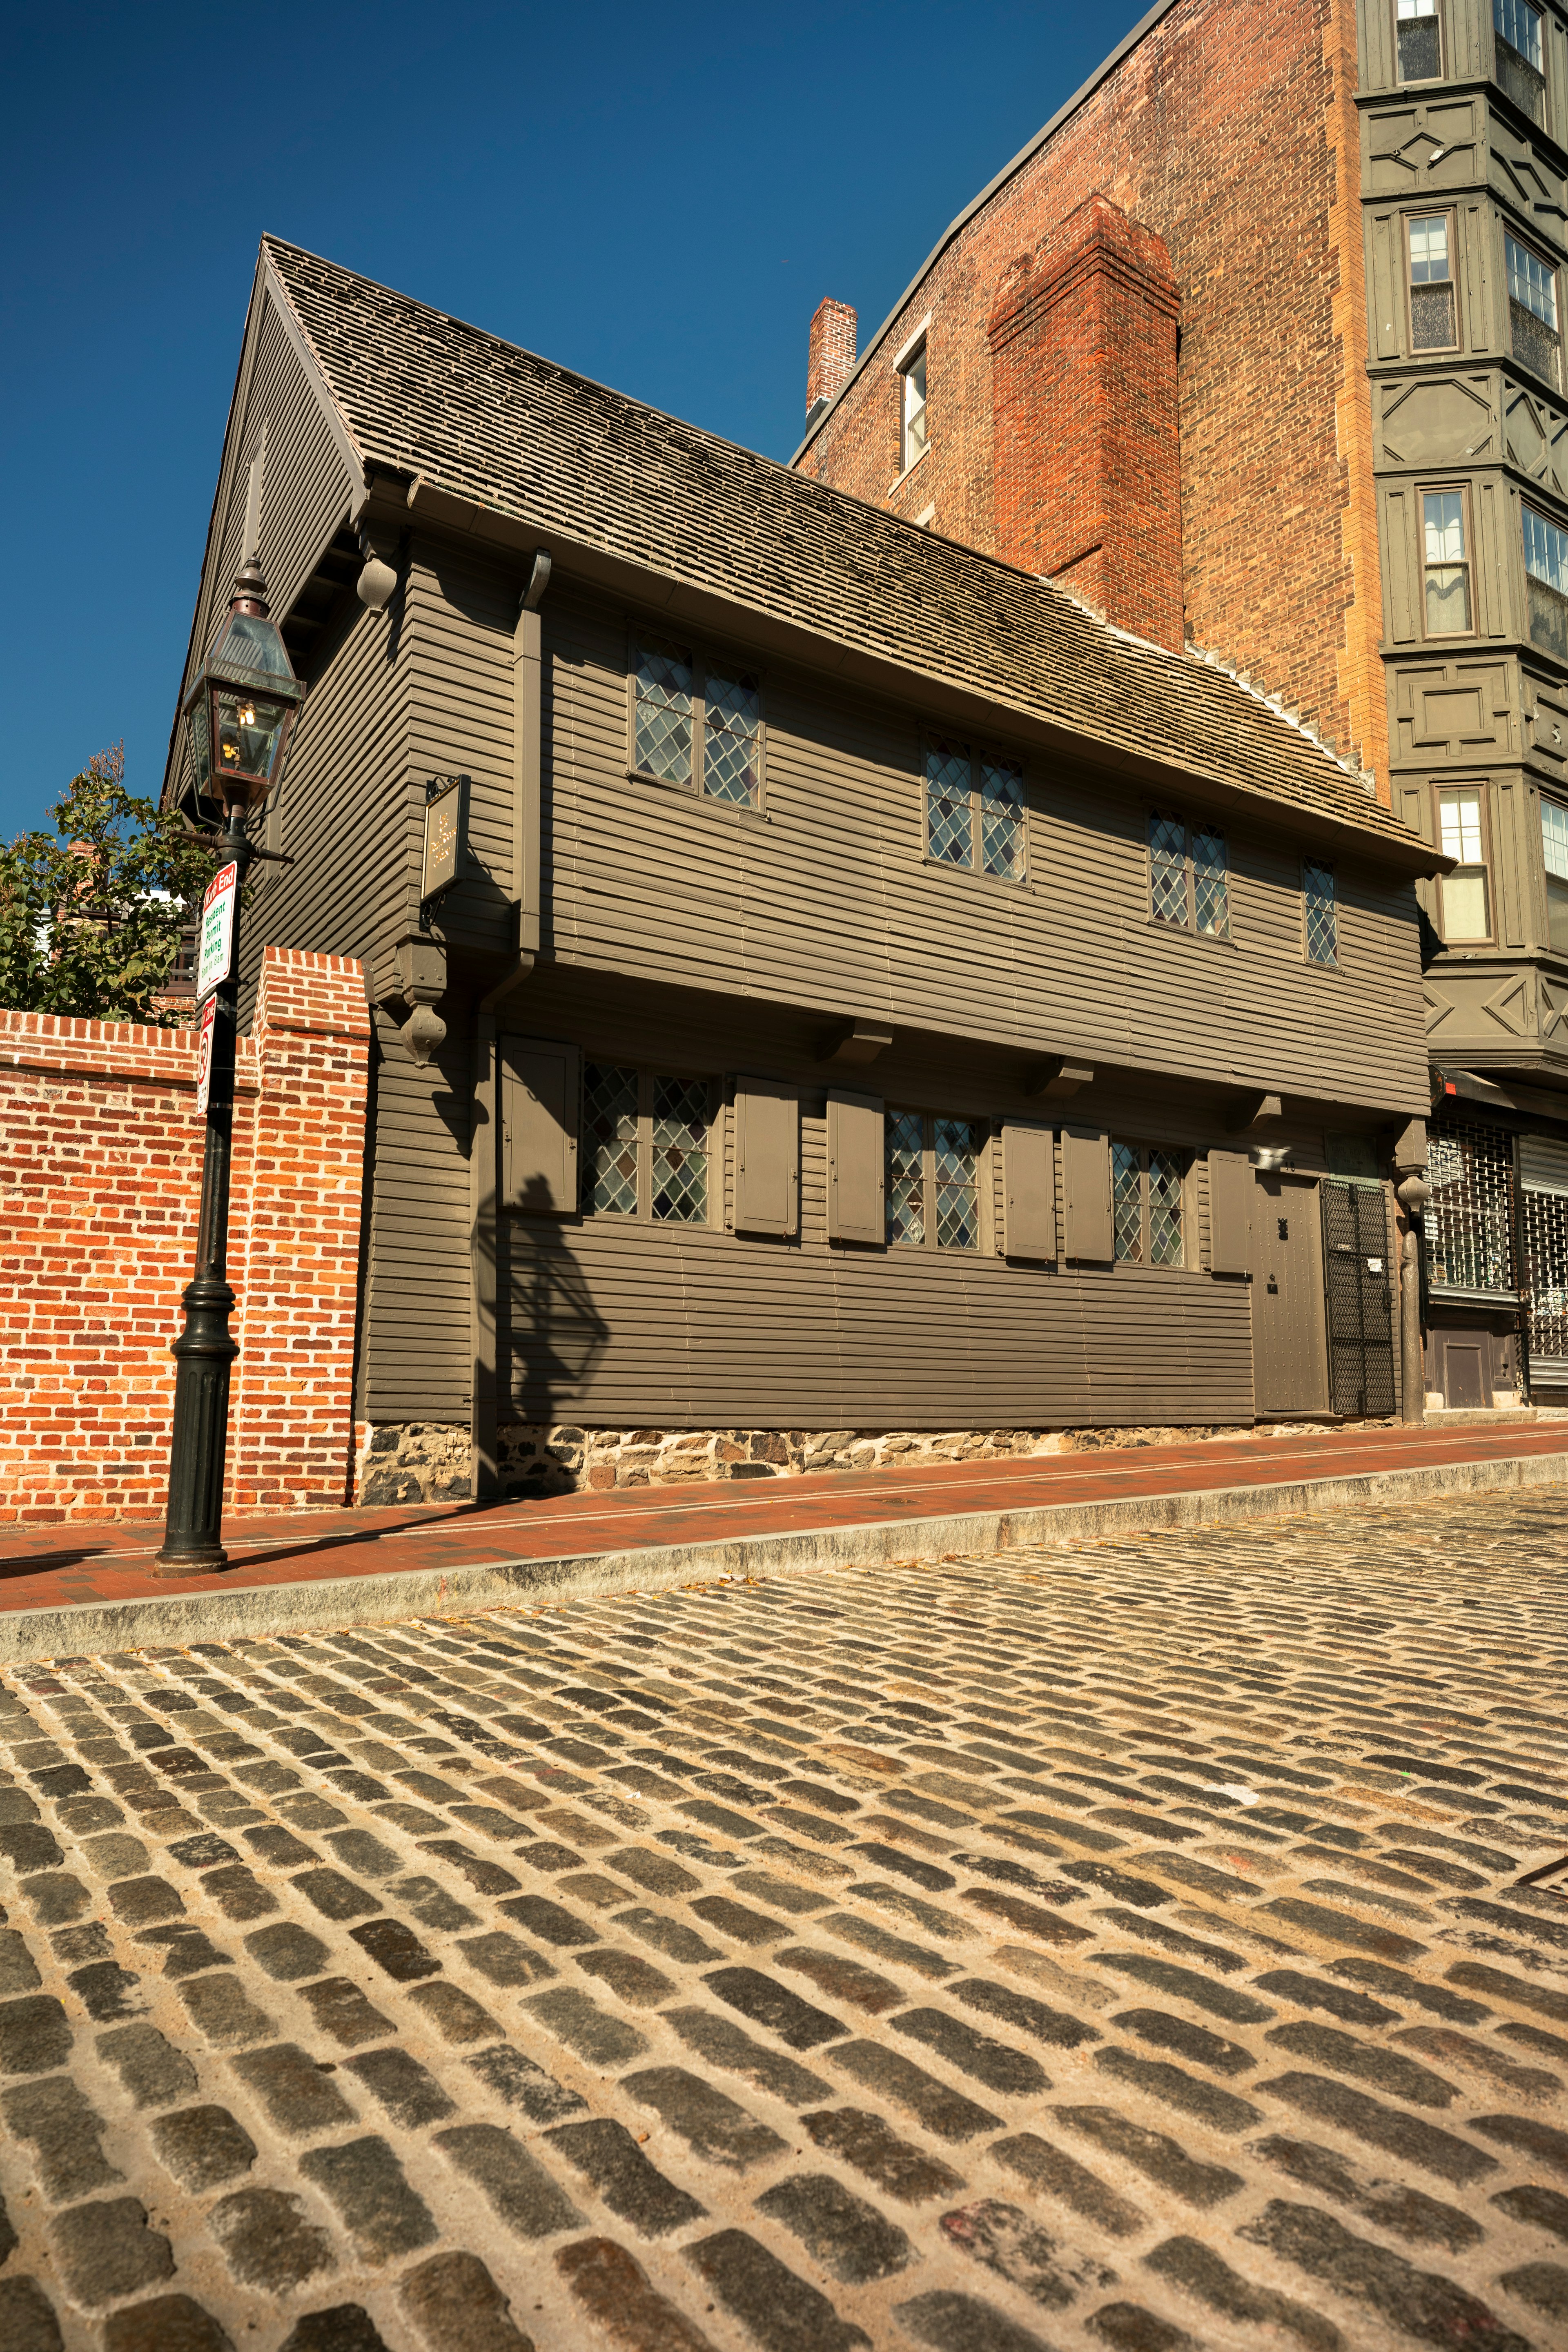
[(493, 426)]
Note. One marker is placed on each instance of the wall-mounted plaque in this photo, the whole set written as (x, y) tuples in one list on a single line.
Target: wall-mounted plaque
[(445, 814)]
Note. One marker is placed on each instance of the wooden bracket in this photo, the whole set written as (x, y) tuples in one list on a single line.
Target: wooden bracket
[(856, 1041), (1246, 1110), (1057, 1076)]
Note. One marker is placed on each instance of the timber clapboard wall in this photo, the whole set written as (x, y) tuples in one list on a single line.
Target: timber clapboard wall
[(697, 939)]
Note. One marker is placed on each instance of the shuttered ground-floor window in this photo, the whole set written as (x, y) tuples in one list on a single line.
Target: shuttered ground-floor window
[(933, 1179), (645, 1144), (1469, 1223), (1543, 1172)]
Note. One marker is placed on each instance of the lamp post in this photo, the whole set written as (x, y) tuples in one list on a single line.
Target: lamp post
[(237, 717)]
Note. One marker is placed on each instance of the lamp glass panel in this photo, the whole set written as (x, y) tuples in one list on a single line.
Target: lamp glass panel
[(247, 730), (250, 643)]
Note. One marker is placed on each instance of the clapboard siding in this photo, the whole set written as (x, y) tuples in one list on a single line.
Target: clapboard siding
[(416, 1361), (459, 616)]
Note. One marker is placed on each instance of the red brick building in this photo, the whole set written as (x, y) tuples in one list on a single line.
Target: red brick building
[(1256, 349)]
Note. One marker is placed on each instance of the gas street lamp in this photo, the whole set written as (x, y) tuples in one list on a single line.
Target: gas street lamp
[(238, 718)]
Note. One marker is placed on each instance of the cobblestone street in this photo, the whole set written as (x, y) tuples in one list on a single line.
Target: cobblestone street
[(1122, 1944)]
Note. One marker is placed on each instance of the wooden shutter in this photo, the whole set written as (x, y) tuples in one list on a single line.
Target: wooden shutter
[(539, 1126), (1230, 1212), (1029, 1191), (856, 1179), (1085, 1185), (767, 1157)]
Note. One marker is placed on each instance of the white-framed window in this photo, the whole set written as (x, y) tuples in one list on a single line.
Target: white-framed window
[(1534, 336), (1520, 55), (1321, 912), (1546, 581), (1146, 1189), (1189, 875), (1445, 563), (646, 1139), (1461, 834), (913, 434), (1434, 318), (975, 813), (1554, 857), (696, 722), (1418, 40), (934, 1163)]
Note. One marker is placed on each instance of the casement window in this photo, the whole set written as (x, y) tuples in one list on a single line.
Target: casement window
[(1532, 310), (1546, 582), (1321, 912), (912, 436), (1188, 876), (974, 809), (645, 1145), (1520, 55), (1434, 318), (696, 722), (932, 1180), (1554, 857), (1418, 40), (1466, 913), (1445, 563), (1146, 1204)]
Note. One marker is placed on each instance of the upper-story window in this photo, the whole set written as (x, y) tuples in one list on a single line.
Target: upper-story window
[(645, 1145), (1520, 55), (1418, 40), (1446, 564), (1554, 857), (1146, 1205), (1321, 912), (1188, 875), (974, 809), (696, 724), (913, 396), (1434, 325), (933, 1180), (1461, 834), (1532, 309), (1546, 582)]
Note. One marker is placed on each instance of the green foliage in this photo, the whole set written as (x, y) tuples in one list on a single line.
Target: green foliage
[(82, 931)]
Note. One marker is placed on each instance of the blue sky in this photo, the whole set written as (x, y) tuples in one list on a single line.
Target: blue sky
[(658, 199)]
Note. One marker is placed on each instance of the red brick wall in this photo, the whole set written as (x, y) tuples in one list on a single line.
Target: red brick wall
[(830, 350), (102, 1151), (1229, 131)]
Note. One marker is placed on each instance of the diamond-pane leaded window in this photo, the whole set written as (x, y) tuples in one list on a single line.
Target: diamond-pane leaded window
[(663, 745), (974, 809), (957, 1158), (1211, 891), (1165, 1209), (610, 1138), (905, 1135), (1167, 867), (680, 1150), (734, 713), (949, 824), (1322, 917), (1127, 1201)]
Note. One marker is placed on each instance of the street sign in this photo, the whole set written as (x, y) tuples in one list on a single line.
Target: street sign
[(205, 1056), (218, 930)]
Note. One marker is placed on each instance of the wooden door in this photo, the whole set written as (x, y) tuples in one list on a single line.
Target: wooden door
[(1290, 1350)]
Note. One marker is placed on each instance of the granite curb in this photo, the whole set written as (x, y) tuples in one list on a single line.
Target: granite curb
[(90, 1628)]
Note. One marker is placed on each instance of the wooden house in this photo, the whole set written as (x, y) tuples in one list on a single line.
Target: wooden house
[(868, 979)]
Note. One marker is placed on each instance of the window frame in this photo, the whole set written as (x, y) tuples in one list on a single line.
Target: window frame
[(1537, 113), (1466, 563), (1477, 786), (1153, 814), (1555, 885), (1418, 82), (1323, 866), (1447, 214), (1557, 644), (647, 1077), (703, 662), (978, 755), (1553, 271), (915, 353), (983, 1128), (1185, 1161)]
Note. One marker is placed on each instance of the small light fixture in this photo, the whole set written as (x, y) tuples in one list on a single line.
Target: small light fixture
[(1269, 1158), (238, 712)]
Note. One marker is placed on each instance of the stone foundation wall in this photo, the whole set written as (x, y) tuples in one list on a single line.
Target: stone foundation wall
[(423, 1462)]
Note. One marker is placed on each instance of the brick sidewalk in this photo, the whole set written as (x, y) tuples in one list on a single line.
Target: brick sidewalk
[(67, 1564), (1123, 1945)]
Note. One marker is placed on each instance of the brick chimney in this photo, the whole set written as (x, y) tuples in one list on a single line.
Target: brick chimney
[(830, 360), (1085, 455)]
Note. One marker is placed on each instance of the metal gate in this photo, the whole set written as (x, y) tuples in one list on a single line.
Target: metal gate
[(1360, 1299)]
